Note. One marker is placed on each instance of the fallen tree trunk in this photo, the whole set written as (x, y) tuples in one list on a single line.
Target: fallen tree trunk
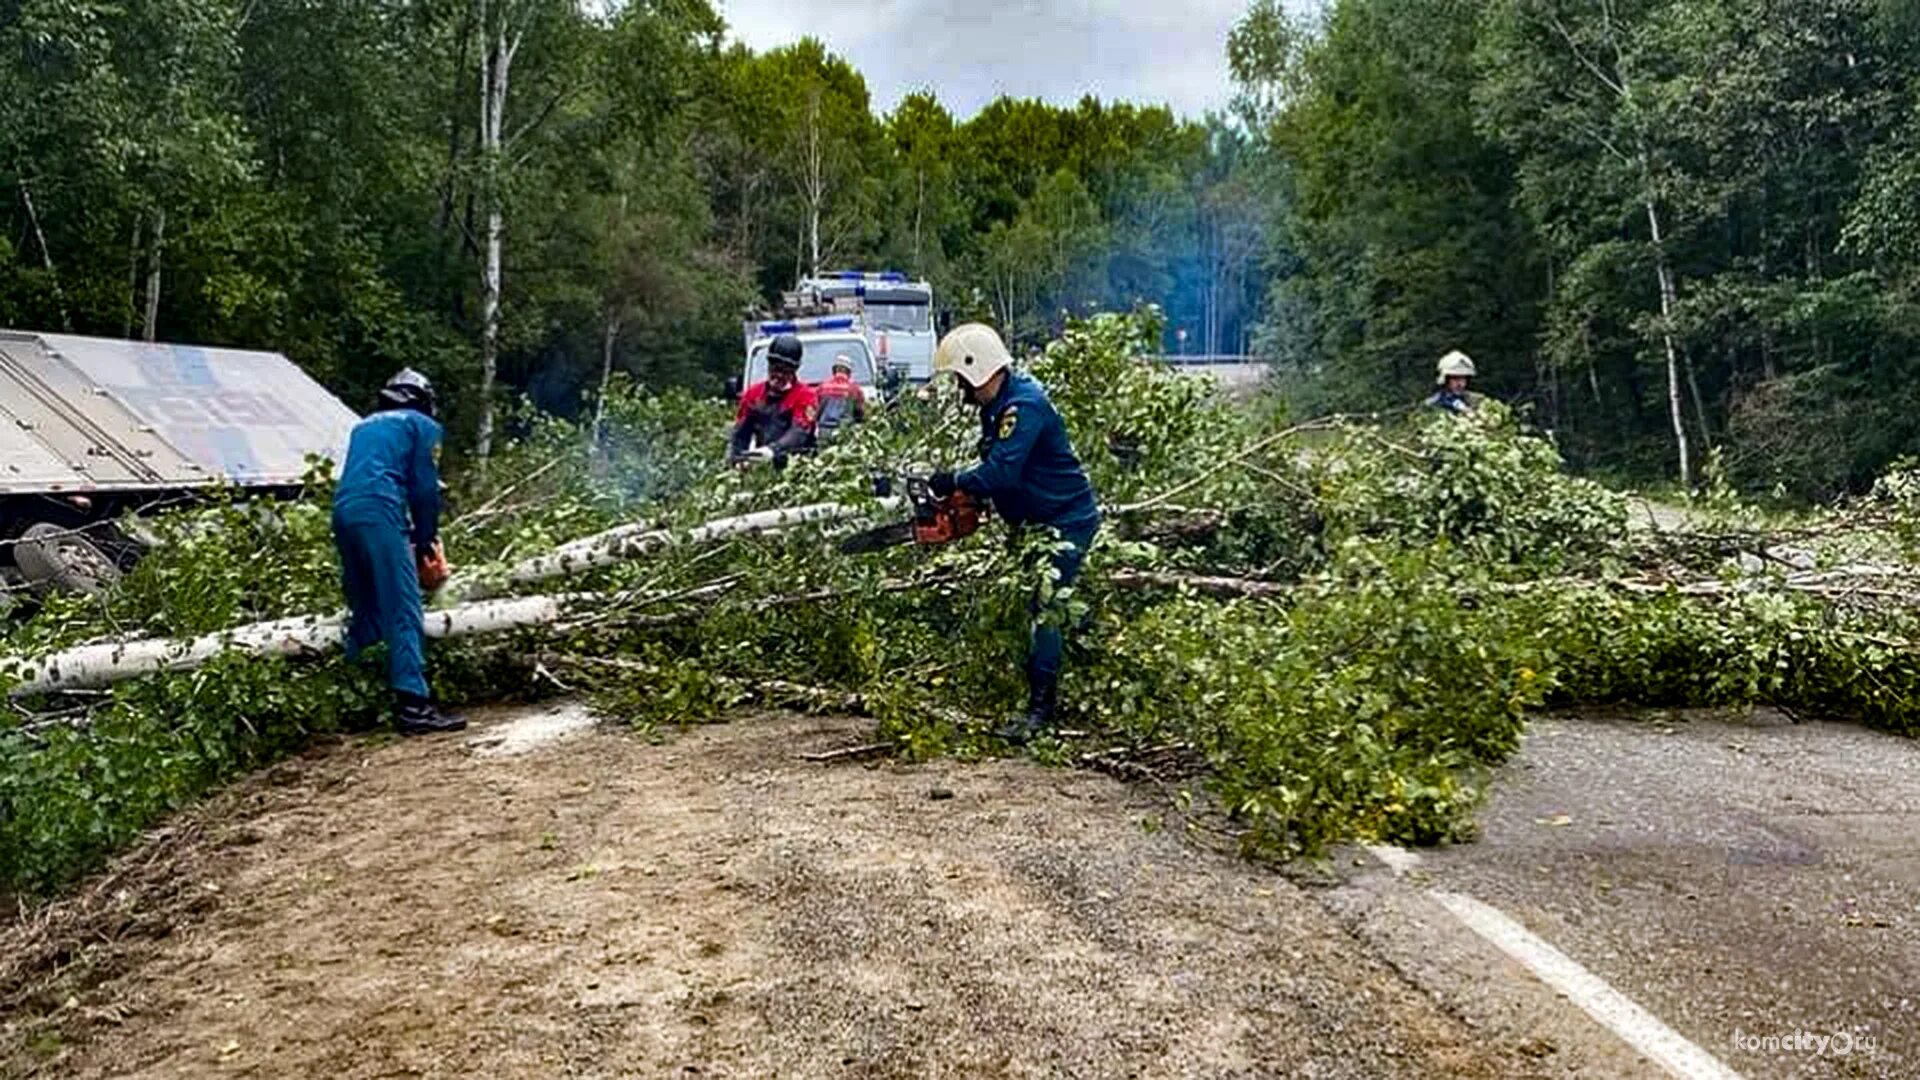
[(105, 664), (627, 542)]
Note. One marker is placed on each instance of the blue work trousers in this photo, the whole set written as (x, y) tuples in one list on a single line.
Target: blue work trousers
[(1043, 654), (382, 581)]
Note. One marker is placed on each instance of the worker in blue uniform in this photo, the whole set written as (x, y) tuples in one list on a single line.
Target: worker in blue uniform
[(1455, 368), (386, 520), (1028, 470)]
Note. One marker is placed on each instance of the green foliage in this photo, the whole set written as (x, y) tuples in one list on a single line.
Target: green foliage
[(70, 795), (1142, 425), (1363, 708), (1516, 177), (1477, 482), (307, 178)]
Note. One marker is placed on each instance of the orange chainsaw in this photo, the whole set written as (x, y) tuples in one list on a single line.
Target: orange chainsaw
[(935, 520), (434, 568)]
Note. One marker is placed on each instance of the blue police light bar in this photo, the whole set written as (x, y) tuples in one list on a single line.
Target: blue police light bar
[(800, 326), (890, 277)]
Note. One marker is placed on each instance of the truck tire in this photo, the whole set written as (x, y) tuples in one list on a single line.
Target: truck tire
[(62, 560)]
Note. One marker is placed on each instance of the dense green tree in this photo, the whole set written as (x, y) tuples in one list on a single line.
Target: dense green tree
[(1399, 213), (1674, 226), (532, 196)]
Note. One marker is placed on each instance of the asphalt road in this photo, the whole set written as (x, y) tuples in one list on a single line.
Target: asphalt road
[(1752, 883)]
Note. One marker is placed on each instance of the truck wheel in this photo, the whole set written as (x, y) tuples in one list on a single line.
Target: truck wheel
[(61, 560)]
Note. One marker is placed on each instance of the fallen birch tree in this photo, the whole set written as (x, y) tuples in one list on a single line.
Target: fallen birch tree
[(628, 542), (105, 663)]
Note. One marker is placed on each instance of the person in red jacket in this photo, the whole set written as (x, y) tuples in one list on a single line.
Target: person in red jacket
[(776, 417), (841, 400)]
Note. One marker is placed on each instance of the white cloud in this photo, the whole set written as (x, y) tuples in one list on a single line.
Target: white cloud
[(969, 53)]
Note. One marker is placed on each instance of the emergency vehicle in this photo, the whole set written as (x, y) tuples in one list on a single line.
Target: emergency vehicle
[(823, 338), (897, 314)]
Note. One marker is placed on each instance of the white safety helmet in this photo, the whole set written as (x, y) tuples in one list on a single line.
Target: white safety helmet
[(974, 352), (1456, 363), (843, 362)]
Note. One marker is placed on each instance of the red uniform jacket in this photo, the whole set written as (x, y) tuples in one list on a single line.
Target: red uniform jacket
[(841, 400), (784, 424)]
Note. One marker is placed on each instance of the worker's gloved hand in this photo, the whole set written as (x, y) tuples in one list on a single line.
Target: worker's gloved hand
[(433, 566), (942, 484)]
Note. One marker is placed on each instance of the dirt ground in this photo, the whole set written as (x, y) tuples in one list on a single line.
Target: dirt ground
[(706, 905)]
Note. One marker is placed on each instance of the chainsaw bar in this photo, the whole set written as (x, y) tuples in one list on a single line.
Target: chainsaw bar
[(880, 539)]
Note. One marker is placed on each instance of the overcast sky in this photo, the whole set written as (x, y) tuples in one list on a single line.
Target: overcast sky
[(1161, 51)]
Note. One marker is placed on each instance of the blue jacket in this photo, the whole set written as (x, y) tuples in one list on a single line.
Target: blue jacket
[(1449, 401), (391, 474), (1028, 467)]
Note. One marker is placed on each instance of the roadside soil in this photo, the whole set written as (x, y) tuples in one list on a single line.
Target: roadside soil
[(709, 904)]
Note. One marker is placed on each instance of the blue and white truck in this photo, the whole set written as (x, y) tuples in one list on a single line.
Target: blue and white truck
[(896, 314)]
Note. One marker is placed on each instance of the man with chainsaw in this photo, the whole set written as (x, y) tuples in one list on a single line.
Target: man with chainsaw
[(776, 416), (1453, 396), (841, 400), (386, 526), (1030, 473)]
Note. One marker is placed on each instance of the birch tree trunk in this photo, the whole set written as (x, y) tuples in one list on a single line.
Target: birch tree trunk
[(1614, 78), (816, 181), (149, 327), (611, 335), (46, 255), (628, 542), (114, 661), (1667, 296), (919, 214), (496, 61), (133, 276)]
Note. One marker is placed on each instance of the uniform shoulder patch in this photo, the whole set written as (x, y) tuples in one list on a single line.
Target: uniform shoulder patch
[(1008, 421)]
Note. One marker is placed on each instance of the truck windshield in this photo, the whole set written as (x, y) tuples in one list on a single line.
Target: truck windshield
[(899, 317), (816, 362)]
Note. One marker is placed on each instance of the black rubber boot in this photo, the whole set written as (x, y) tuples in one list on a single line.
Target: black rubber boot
[(1043, 695), (415, 715)]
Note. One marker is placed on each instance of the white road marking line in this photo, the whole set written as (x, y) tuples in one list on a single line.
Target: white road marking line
[(1639, 1028), (1397, 859)]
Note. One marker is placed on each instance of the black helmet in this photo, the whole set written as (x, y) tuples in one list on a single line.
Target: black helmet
[(785, 351), (408, 390)]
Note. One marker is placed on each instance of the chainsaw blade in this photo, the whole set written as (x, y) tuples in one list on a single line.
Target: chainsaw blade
[(879, 539)]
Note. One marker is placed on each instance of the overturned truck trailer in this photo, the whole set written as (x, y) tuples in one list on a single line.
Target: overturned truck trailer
[(93, 429)]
